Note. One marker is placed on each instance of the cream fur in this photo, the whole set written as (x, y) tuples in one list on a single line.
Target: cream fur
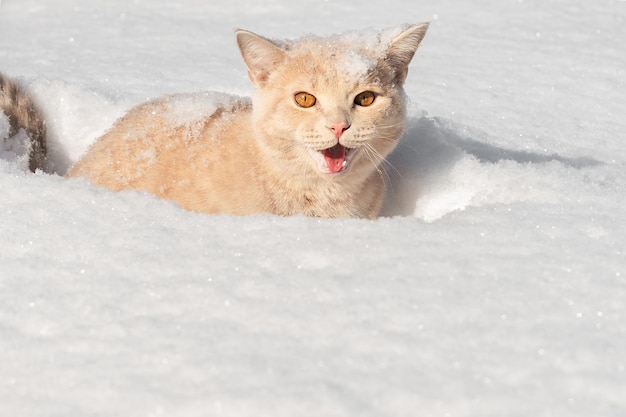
[(243, 159)]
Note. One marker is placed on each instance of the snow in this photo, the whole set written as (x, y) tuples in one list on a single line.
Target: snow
[(16, 147), (497, 289), (191, 108)]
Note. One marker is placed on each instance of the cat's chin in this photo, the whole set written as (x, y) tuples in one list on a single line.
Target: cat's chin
[(333, 160)]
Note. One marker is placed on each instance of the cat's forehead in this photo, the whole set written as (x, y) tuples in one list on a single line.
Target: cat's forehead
[(334, 61), (352, 56), (319, 61), (370, 42)]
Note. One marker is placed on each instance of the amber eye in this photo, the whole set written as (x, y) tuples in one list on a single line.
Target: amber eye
[(364, 99), (305, 100)]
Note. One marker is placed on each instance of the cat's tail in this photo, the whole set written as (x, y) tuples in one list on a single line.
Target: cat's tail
[(18, 105)]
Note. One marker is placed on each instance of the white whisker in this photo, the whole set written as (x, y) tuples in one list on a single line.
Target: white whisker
[(378, 161)]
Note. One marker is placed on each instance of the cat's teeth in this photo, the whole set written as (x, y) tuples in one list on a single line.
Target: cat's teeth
[(344, 163)]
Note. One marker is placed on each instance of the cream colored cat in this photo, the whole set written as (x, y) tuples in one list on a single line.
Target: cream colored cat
[(324, 115)]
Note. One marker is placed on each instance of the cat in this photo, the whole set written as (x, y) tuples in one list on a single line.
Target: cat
[(325, 113), (23, 113)]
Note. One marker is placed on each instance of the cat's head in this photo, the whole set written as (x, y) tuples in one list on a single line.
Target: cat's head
[(338, 100)]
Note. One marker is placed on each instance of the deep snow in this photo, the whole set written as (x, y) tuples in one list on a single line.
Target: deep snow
[(499, 291)]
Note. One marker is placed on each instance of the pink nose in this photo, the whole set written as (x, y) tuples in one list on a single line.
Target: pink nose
[(338, 128)]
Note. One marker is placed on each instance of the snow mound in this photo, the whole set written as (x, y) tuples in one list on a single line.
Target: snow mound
[(436, 169), (5, 127), (75, 117), (16, 148)]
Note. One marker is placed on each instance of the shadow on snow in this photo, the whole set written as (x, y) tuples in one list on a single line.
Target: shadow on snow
[(431, 147)]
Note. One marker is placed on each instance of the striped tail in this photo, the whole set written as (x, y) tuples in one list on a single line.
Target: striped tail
[(22, 113)]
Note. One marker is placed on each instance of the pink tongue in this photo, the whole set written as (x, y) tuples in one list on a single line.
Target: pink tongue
[(334, 157)]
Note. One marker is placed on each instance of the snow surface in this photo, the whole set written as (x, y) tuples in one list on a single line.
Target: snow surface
[(498, 289)]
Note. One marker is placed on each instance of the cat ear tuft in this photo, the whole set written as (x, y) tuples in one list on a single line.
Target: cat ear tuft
[(260, 55), (402, 48)]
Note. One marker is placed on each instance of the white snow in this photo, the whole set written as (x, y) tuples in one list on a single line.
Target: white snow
[(5, 126), (498, 289)]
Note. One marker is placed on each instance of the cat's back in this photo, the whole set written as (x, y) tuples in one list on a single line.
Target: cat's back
[(164, 138), (184, 117)]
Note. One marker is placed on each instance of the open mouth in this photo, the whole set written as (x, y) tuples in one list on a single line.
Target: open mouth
[(334, 159)]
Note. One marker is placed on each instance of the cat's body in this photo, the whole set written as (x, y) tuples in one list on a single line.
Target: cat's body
[(213, 164), (325, 114)]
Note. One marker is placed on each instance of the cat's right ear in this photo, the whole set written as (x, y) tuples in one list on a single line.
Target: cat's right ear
[(261, 55)]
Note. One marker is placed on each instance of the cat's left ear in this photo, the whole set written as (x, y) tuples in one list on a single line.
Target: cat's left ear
[(402, 48), (261, 55)]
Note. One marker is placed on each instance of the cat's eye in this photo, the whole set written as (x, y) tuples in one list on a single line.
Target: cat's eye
[(364, 99), (305, 100)]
